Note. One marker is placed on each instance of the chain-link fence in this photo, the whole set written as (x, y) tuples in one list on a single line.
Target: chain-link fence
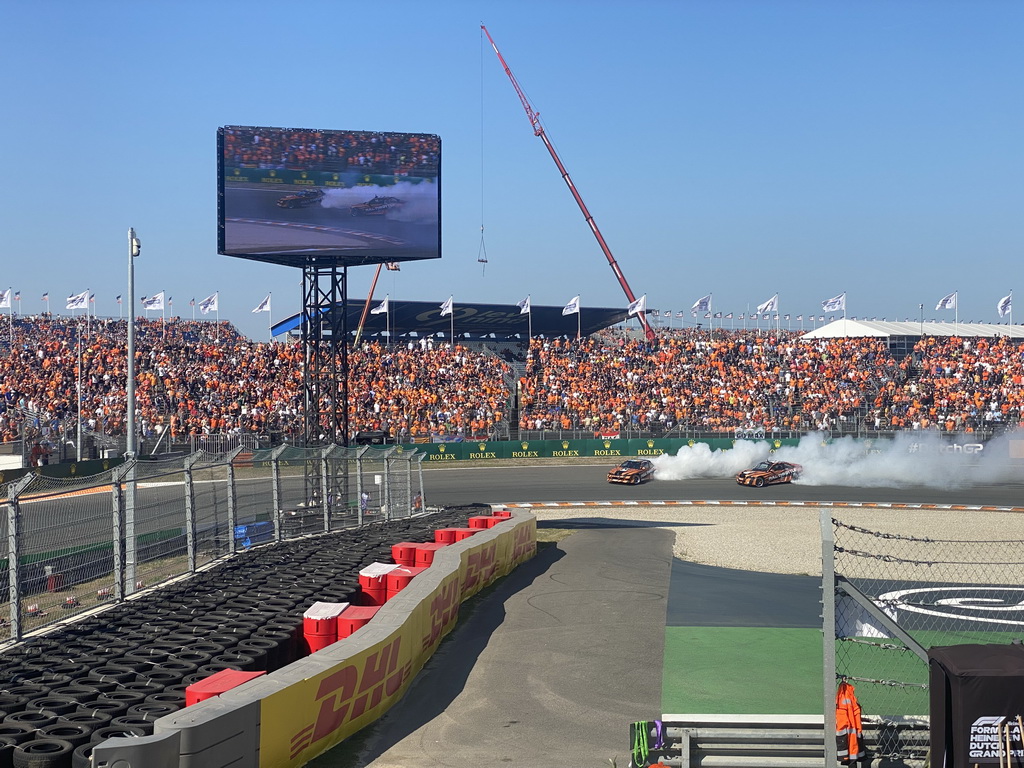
[(68, 544), (896, 595)]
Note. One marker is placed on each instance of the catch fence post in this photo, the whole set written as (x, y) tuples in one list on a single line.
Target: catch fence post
[(359, 484), (14, 551), (232, 498), (326, 484), (387, 485), (419, 471), (275, 480), (118, 474), (828, 635), (190, 510)]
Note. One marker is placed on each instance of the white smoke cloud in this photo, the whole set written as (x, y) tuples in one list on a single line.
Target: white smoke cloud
[(419, 200), (912, 458)]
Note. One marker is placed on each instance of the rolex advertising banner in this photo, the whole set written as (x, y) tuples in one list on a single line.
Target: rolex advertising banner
[(614, 449), (976, 700)]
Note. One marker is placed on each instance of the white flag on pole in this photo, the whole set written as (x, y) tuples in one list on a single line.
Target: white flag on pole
[(381, 309), (5, 299), (639, 307), (448, 307), (702, 304), (524, 306), (772, 305), (78, 301), (1005, 305), (573, 307), (264, 306), (209, 304), (947, 302), (835, 304), (154, 302)]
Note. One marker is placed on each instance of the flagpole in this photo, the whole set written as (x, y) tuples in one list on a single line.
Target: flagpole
[(270, 318)]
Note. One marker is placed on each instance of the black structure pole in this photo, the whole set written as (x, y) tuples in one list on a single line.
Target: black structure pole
[(324, 338), (325, 355)]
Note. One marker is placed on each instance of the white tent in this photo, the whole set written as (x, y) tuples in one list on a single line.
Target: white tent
[(855, 329)]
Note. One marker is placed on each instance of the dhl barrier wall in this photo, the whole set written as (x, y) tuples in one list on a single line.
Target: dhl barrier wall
[(290, 716), (555, 449)]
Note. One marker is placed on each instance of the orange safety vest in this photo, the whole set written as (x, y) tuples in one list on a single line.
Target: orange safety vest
[(848, 727)]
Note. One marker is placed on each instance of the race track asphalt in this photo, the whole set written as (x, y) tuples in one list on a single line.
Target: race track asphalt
[(548, 667)]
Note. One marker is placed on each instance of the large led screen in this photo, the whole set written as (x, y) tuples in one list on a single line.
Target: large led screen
[(286, 195)]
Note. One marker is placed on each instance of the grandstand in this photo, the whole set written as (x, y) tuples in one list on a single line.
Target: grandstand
[(201, 383)]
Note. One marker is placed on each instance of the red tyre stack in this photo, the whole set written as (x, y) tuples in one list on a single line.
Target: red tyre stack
[(216, 684), (401, 577), (373, 583), (404, 552), (320, 624), (354, 617), (425, 553), (445, 535)]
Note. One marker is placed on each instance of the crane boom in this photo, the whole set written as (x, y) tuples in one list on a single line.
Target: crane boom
[(538, 130)]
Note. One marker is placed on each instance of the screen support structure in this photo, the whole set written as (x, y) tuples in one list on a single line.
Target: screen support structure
[(324, 337)]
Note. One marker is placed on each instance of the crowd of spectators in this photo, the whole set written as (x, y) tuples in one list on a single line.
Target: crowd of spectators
[(203, 378), (769, 380), (396, 154)]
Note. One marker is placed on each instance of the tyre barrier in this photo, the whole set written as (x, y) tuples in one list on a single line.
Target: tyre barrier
[(159, 641), (290, 716)]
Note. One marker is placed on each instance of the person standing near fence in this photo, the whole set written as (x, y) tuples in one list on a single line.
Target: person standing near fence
[(364, 502)]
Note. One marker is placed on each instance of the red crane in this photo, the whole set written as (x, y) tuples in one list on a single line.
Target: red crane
[(538, 130)]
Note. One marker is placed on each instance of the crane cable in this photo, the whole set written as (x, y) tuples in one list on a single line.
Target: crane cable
[(481, 254)]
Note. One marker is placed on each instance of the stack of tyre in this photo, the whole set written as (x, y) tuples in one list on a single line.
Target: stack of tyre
[(115, 673)]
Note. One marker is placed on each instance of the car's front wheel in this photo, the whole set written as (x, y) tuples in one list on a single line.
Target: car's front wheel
[(759, 482)]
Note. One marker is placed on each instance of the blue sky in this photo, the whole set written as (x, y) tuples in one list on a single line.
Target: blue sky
[(738, 148)]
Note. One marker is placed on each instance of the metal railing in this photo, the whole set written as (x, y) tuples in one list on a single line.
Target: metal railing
[(67, 544)]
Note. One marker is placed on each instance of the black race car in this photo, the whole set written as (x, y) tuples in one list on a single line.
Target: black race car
[(303, 199), (376, 206), (769, 473), (632, 472)]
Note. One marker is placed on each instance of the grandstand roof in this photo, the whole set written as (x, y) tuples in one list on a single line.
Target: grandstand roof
[(847, 328), (478, 320)]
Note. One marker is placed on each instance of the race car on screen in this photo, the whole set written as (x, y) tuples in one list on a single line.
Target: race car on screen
[(632, 472), (376, 206), (769, 473), (303, 199)]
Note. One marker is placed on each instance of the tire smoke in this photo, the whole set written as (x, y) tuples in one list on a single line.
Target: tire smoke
[(909, 459)]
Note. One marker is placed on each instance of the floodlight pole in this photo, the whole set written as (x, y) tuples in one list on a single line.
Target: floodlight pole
[(134, 247)]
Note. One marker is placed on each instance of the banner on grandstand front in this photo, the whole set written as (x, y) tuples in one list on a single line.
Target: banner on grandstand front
[(610, 448)]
